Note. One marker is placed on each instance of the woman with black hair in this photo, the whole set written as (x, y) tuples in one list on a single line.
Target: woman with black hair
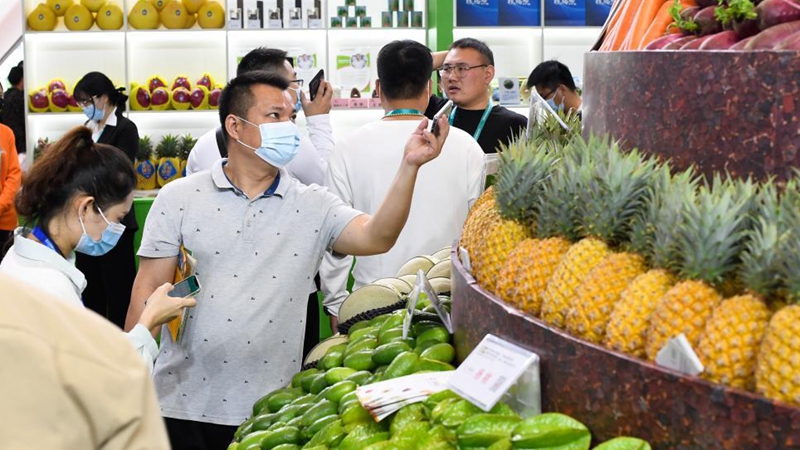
[(73, 200), (13, 114), (109, 277)]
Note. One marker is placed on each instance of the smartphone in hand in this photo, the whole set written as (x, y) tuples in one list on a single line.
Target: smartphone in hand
[(186, 288), (445, 111), (313, 86)]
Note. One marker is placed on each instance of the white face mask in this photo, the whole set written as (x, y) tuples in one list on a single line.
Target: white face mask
[(280, 142)]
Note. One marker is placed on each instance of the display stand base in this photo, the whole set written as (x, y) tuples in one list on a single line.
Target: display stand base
[(614, 394)]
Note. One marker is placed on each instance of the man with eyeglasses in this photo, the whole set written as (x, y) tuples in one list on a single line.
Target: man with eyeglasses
[(466, 71), (554, 82), (311, 162)]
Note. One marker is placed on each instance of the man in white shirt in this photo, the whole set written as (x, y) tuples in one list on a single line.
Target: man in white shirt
[(362, 165), (311, 162)]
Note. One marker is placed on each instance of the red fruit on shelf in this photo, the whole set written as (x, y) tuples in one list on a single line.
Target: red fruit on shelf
[(141, 98), (73, 104), (183, 82), (207, 81), (155, 82), (159, 99), (199, 97), (38, 100), (180, 98), (213, 98), (59, 100), (57, 83)]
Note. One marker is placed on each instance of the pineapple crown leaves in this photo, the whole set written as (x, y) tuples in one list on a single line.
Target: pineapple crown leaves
[(616, 191), (549, 132), (669, 203), (713, 231), (187, 143), (556, 212), (168, 147), (145, 150), (643, 224), (789, 245), (760, 260), (523, 168)]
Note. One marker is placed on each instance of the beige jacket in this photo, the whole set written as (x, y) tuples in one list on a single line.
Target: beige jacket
[(69, 379)]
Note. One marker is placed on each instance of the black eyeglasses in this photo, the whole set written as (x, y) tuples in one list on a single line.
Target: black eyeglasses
[(298, 82), (459, 70)]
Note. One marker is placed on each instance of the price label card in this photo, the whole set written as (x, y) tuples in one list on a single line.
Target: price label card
[(679, 355), (411, 308), (490, 370)]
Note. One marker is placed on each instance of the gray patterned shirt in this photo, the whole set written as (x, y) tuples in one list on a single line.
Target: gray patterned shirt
[(255, 260)]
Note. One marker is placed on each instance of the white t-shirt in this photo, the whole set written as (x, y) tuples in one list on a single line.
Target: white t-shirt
[(42, 268), (308, 166), (361, 170)]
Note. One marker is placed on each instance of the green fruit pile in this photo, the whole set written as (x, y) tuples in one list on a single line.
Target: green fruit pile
[(320, 409)]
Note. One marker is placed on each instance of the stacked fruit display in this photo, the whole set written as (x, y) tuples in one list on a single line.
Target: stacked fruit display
[(176, 14), (52, 98), (615, 249), (157, 95), (145, 165), (321, 410), (704, 25), (78, 15)]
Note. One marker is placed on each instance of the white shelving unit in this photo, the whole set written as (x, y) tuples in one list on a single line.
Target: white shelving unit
[(130, 55)]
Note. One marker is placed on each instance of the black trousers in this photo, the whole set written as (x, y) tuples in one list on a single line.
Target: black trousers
[(312, 321), (109, 280), (189, 435), (5, 242)]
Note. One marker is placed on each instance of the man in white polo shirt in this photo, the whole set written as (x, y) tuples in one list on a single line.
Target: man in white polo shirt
[(259, 236), (362, 164)]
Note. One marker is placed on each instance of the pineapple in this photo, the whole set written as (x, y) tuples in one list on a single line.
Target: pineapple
[(652, 235), (732, 337), (499, 237), (168, 161), (145, 169), (618, 191), (709, 241), (583, 256), (187, 143), (473, 225), (524, 172), (778, 365)]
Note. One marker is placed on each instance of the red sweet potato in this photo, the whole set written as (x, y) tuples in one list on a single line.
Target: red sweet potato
[(720, 41), (707, 21), (678, 43), (790, 43), (741, 44), (771, 37), (660, 43), (776, 12), (695, 44)]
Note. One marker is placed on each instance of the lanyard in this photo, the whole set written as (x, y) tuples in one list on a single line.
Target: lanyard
[(481, 124), (403, 112), (42, 237)]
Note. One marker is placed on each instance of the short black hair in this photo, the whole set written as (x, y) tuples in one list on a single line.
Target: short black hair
[(475, 44), (15, 74), (551, 74), (237, 97), (263, 59), (97, 84), (404, 69)]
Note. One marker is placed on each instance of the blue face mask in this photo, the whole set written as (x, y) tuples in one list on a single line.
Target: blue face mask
[(279, 142), (552, 102), (299, 105), (93, 112), (108, 240)]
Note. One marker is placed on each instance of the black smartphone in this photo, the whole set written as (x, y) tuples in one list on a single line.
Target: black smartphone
[(186, 288), (445, 111), (313, 86)]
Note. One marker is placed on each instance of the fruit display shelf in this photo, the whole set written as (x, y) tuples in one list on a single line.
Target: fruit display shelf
[(718, 110), (615, 394)]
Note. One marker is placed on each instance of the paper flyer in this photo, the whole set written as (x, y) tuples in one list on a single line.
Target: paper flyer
[(305, 64), (384, 398)]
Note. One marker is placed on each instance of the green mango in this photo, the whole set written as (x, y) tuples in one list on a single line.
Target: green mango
[(411, 434), (338, 390), (337, 374), (360, 377), (363, 435), (502, 444), (454, 415), (408, 414), (404, 364), (318, 411), (443, 352), (360, 360), (439, 409), (307, 377), (434, 399), (386, 353)]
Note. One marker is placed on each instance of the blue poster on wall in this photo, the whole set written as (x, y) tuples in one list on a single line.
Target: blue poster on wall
[(520, 13), (597, 11), (476, 13), (565, 13)]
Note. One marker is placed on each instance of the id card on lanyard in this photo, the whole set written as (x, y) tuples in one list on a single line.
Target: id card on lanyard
[(481, 124)]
